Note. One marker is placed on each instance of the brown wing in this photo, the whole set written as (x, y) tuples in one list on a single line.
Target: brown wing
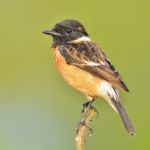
[(87, 56)]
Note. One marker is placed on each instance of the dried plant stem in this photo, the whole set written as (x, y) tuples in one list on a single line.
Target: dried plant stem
[(88, 114)]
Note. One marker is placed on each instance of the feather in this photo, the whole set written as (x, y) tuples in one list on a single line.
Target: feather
[(87, 56)]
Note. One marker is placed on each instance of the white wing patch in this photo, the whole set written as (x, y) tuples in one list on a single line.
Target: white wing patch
[(92, 64)]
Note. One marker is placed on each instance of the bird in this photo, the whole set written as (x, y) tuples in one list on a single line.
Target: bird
[(85, 67)]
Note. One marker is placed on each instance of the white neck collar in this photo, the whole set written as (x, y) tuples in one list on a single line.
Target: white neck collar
[(81, 39)]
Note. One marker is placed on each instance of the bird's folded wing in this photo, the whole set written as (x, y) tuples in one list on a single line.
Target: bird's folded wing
[(89, 57)]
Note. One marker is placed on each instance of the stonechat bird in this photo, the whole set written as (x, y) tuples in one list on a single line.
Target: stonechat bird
[(86, 68)]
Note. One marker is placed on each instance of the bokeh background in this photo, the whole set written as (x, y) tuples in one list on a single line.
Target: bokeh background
[(38, 110)]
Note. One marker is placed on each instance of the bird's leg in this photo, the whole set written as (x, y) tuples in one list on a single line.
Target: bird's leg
[(88, 105), (87, 108)]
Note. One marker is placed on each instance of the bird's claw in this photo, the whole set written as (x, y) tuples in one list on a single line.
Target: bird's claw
[(88, 104)]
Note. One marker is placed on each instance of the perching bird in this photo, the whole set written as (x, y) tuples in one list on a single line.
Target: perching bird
[(86, 68)]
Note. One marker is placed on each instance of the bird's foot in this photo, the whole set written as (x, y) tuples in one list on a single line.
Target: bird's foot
[(85, 105), (86, 111), (88, 105)]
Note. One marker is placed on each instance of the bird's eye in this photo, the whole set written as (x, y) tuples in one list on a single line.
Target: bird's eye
[(68, 30)]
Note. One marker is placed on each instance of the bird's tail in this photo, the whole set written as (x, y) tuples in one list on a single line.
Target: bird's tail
[(118, 107)]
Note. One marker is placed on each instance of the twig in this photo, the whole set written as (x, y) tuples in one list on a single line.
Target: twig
[(88, 114)]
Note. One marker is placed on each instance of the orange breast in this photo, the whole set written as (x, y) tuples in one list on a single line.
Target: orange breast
[(79, 79)]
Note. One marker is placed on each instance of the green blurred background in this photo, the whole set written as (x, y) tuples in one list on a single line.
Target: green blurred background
[(38, 110)]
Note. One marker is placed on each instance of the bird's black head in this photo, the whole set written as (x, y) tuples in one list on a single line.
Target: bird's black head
[(66, 31)]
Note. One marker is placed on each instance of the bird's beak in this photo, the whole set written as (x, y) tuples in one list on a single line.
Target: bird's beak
[(51, 32)]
